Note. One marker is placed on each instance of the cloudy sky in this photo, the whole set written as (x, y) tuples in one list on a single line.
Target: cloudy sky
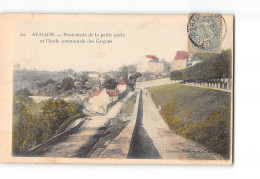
[(154, 35)]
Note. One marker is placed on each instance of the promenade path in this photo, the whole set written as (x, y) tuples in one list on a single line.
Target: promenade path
[(153, 138)]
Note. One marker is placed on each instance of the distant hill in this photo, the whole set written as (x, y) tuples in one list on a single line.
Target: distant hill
[(29, 78)]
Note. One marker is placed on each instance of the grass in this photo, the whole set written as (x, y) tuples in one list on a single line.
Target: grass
[(129, 106), (198, 114)]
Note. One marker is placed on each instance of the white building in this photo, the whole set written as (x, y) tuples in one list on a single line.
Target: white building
[(180, 60), (150, 64), (99, 100), (121, 85)]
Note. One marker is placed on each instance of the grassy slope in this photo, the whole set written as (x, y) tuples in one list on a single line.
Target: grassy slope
[(201, 115)]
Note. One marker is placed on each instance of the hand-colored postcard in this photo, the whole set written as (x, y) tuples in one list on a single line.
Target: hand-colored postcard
[(116, 89)]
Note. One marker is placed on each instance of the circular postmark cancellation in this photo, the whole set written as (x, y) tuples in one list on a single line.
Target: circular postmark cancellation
[(206, 32)]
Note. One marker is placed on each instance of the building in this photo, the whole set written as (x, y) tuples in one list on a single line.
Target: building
[(155, 67), (98, 101), (121, 85), (142, 66), (113, 95), (150, 64), (94, 75), (180, 60)]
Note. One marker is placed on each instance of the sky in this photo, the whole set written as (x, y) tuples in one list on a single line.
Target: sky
[(156, 35)]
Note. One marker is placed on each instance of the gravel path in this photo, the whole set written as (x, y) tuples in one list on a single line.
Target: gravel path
[(153, 138)]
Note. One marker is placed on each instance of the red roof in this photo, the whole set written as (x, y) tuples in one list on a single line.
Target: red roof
[(181, 55), (120, 81), (112, 93), (151, 56)]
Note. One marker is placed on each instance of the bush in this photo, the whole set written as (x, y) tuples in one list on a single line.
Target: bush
[(34, 123), (110, 83), (67, 84)]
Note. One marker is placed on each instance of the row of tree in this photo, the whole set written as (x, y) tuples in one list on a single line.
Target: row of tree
[(212, 67)]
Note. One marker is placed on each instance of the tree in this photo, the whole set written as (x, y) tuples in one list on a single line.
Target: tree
[(67, 84), (46, 83), (34, 123), (110, 83), (124, 73), (24, 92), (176, 75), (54, 114), (83, 78), (70, 71), (135, 76), (215, 66)]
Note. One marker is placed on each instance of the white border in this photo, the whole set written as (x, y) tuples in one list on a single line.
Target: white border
[(247, 88)]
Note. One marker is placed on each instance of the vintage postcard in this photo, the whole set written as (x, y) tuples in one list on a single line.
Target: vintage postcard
[(116, 89)]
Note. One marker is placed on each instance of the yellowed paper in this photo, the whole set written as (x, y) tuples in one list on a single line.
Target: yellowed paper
[(116, 89)]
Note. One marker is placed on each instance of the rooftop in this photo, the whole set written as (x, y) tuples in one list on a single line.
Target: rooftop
[(120, 81), (181, 55)]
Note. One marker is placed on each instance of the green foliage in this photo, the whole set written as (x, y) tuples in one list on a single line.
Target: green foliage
[(34, 123), (67, 84), (176, 75), (83, 78), (54, 114), (132, 79), (212, 67), (24, 92), (135, 76), (110, 83), (46, 83), (129, 106), (125, 73), (203, 56), (201, 115)]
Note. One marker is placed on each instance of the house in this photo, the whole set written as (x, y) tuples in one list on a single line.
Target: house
[(180, 60), (98, 101), (150, 64), (113, 95), (155, 67), (121, 85)]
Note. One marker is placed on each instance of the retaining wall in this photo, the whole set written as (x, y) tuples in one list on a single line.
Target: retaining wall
[(119, 147)]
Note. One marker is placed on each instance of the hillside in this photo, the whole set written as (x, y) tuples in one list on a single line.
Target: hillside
[(29, 78), (201, 115)]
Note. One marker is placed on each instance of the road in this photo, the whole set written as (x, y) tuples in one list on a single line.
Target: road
[(153, 139), (79, 143)]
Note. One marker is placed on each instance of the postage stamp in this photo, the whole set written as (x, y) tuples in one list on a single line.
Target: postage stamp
[(205, 32)]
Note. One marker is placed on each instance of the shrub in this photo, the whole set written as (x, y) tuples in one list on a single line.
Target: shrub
[(34, 123)]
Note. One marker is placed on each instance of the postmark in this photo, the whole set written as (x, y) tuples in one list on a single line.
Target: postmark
[(206, 32)]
